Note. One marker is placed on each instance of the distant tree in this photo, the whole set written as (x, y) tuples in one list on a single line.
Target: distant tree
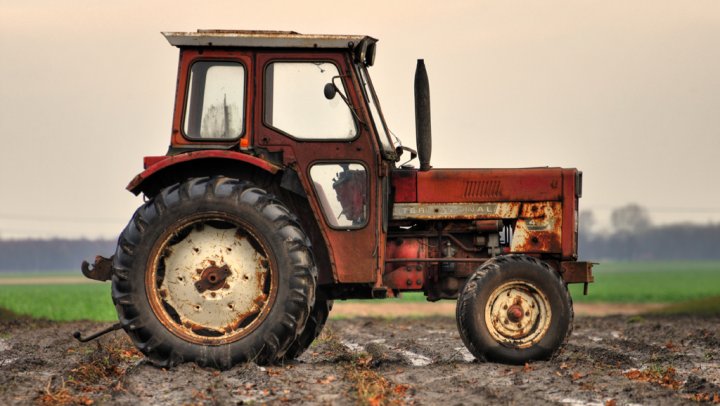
[(587, 222), (631, 218)]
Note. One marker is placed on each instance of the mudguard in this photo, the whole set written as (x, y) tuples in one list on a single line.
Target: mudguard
[(156, 164)]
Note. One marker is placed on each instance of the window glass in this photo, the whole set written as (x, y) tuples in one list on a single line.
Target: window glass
[(295, 102), (216, 100), (343, 193)]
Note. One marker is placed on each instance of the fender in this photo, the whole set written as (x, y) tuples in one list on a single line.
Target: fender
[(153, 165)]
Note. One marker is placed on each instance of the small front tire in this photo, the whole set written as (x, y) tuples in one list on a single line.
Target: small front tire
[(514, 309)]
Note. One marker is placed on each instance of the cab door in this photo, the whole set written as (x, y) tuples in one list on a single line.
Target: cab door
[(330, 147)]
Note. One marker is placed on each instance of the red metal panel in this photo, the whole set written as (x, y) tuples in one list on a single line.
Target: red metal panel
[(489, 185), (149, 161), (577, 272), (134, 185), (406, 275), (404, 182), (570, 207)]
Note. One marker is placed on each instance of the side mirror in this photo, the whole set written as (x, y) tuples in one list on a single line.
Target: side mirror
[(330, 91)]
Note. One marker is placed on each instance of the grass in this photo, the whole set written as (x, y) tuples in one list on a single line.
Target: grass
[(60, 302), (687, 286), (651, 282)]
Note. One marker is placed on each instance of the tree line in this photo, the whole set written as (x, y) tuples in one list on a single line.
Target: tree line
[(633, 237), (51, 255)]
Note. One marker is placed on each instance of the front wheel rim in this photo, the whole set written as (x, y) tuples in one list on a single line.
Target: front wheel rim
[(517, 314), (210, 280)]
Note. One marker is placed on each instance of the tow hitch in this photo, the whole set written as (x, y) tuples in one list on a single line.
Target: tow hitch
[(78, 335), (100, 271)]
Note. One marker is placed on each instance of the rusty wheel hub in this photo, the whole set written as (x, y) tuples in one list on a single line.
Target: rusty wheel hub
[(517, 314), (212, 285), (212, 278)]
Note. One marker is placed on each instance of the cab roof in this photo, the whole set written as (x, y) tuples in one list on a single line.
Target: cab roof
[(266, 39)]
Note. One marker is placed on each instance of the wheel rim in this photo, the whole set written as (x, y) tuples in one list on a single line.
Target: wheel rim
[(518, 314), (210, 280)]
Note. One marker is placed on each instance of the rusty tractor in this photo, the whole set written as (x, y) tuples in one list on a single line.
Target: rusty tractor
[(282, 190)]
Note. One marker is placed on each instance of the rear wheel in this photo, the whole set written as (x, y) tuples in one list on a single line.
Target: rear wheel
[(314, 326), (514, 309), (215, 271)]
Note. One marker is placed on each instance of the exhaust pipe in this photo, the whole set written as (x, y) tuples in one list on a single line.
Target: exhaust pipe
[(422, 116)]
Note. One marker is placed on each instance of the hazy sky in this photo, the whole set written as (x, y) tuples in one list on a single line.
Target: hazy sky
[(627, 91)]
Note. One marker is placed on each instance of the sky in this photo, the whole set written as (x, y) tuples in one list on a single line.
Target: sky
[(626, 91)]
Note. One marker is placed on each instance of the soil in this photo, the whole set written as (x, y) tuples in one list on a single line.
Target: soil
[(447, 308), (609, 360)]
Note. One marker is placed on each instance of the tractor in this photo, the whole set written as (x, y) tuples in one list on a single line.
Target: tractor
[(283, 190)]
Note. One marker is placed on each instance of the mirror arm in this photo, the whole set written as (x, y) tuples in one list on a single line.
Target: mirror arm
[(365, 126)]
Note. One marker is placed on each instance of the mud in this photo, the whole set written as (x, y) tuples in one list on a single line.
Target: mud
[(619, 360)]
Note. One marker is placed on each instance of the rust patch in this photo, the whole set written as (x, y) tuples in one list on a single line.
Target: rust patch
[(539, 228), (212, 277)]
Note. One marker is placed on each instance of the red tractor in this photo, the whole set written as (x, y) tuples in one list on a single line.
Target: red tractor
[(282, 191)]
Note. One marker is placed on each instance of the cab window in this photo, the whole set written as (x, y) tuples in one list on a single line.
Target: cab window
[(216, 101), (295, 103), (342, 190)]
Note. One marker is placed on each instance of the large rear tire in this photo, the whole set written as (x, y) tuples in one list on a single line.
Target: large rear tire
[(314, 326), (213, 271), (514, 309)]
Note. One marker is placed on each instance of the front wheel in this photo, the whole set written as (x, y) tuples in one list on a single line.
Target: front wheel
[(514, 309), (214, 271)]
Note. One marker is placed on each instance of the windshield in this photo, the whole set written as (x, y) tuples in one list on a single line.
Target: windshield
[(376, 112)]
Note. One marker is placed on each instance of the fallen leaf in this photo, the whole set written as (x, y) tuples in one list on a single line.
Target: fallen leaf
[(376, 400), (328, 379), (274, 372)]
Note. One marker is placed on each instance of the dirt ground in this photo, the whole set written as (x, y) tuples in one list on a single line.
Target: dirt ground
[(621, 359)]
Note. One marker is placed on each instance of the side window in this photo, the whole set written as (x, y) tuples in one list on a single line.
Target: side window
[(296, 104), (343, 193), (216, 101)]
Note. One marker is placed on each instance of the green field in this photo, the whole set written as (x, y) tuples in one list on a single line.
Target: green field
[(60, 302), (651, 282), (630, 282)]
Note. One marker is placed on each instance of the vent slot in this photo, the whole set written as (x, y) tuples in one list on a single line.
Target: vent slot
[(482, 188)]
